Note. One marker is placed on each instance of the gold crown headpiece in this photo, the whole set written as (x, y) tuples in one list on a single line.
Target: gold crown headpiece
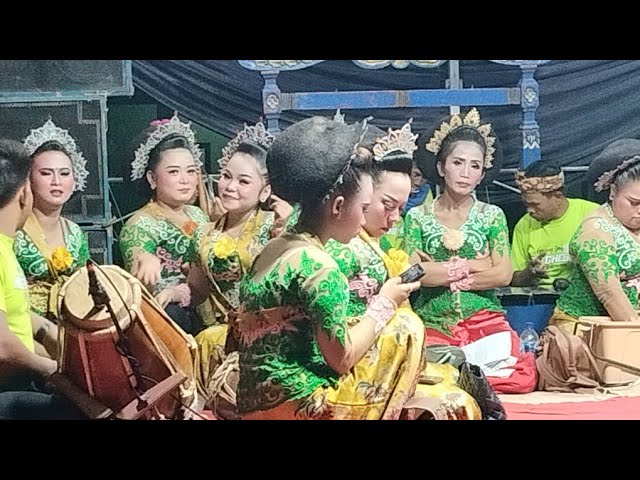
[(471, 119), (163, 129), (402, 140), (50, 132), (257, 134)]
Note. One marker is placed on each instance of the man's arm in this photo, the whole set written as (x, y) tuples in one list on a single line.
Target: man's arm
[(523, 275), (45, 333), (529, 277), (16, 359)]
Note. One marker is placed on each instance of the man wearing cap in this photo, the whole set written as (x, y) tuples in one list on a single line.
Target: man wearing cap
[(540, 251)]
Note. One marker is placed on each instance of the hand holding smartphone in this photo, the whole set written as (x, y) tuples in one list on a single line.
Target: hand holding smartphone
[(413, 274)]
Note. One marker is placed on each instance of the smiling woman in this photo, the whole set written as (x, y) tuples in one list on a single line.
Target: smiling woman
[(222, 251)]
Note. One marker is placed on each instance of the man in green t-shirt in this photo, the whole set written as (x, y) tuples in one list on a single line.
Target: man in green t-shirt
[(540, 247), (22, 370)]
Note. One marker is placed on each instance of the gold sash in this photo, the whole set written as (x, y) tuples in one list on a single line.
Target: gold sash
[(394, 266), (44, 293), (250, 229), (217, 298)]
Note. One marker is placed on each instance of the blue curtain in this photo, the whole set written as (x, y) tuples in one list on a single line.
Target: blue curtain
[(584, 104)]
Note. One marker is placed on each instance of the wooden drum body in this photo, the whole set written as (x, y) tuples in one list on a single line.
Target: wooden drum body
[(149, 376)]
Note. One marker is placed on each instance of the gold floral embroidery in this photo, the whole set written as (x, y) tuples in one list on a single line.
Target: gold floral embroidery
[(224, 247), (453, 239), (61, 259)]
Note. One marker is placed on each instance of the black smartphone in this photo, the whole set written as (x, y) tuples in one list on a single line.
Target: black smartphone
[(415, 273)]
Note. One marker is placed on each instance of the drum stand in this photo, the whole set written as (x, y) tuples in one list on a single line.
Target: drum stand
[(146, 398)]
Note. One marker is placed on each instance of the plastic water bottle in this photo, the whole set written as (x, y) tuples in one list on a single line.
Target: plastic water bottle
[(528, 339)]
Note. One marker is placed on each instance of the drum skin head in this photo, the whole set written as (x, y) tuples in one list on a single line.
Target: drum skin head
[(77, 306)]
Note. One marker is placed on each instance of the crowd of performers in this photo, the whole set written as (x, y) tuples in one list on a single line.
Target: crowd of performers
[(289, 279)]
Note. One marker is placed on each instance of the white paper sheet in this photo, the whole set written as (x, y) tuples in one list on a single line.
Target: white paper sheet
[(492, 354)]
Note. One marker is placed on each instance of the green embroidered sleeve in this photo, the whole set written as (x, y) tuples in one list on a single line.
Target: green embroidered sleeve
[(413, 231), (80, 245), (196, 214), (137, 236), (264, 230), (292, 220), (600, 248), (365, 272), (326, 292), (30, 258), (344, 257), (596, 253), (498, 232), (194, 245)]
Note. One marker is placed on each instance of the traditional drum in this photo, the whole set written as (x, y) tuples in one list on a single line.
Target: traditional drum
[(139, 364)]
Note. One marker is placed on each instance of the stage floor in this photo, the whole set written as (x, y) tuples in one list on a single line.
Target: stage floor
[(621, 403)]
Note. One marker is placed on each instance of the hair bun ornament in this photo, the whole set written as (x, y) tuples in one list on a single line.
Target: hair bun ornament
[(471, 119), (257, 134)]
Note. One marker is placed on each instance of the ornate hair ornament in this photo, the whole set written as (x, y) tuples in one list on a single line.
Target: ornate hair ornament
[(49, 132), (163, 129), (605, 180), (339, 117), (402, 140), (340, 180), (257, 135), (472, 120), (539, 184)]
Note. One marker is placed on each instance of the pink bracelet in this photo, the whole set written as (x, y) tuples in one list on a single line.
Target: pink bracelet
[(381, 309), (457, 268), (462, 285)]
